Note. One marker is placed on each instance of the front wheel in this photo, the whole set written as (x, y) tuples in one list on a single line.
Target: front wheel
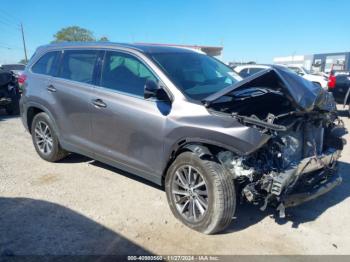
[(200, 193)]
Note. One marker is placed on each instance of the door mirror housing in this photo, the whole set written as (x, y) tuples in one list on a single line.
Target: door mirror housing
[(153, 89)]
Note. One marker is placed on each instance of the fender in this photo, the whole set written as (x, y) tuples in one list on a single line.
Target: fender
[(44, 109)]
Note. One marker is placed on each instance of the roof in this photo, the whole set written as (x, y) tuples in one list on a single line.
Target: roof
[(144, 48)]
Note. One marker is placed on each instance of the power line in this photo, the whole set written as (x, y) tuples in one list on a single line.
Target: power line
[(10, 16)]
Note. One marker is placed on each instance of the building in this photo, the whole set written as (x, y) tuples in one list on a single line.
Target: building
[(318, 62)]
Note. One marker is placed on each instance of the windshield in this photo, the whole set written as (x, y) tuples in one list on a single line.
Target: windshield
[(197, 75)]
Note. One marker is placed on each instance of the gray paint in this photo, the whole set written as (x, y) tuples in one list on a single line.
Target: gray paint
[(131, 133)]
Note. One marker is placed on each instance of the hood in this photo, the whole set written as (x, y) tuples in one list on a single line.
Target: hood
[(304, 95)]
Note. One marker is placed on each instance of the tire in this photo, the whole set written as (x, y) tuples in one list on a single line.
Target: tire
[(56, 153), (219, 185), (13, 108)]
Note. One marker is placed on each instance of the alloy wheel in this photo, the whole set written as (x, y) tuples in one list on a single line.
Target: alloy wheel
[(43, 138), (190, 193)]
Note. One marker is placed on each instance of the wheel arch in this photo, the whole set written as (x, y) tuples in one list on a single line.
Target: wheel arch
[(33, 110), (204, 149)]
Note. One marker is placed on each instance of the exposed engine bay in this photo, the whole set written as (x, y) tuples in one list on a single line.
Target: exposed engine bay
[(298, 163)]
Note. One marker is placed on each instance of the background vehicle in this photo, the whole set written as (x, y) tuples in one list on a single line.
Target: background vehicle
[(182, 120), (341, 86), (317, 79), (9, 92), (17, 69), (248, 70)]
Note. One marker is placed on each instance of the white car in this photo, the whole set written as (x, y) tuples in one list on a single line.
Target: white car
[(248, 70), (321, 80)]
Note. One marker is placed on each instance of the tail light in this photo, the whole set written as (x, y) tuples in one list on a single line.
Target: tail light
[(21, 81), (331, 81)]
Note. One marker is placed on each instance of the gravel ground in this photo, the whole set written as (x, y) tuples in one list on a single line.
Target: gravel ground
[(80, 206)]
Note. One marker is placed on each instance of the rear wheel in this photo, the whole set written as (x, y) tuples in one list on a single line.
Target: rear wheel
[(45, 139), (200, 193)]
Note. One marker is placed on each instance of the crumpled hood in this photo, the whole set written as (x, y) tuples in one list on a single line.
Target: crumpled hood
[(305, 95)]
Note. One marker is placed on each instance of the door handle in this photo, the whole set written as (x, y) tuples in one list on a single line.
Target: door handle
[(51, 88), (99, 103)]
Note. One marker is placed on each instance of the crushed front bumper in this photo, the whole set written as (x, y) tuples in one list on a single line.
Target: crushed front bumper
[(307, 165), (313, 177), (299, 198)]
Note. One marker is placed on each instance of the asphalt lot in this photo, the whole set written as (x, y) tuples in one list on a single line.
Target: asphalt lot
[(80, 206)]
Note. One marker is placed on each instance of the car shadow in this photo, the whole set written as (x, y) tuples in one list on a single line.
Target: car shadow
[(343, 112), (4, 116), (36, 227), (75, 158), (247, 215), (126, 174)]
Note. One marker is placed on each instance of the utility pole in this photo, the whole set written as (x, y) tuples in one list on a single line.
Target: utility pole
[(24, 44)]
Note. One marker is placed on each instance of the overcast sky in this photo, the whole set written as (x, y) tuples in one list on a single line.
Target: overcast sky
[(248, 30)]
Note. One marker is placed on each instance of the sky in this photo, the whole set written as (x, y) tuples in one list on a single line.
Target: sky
[(249, 30)]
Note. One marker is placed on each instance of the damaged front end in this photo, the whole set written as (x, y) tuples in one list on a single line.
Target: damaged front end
[(299, 161)]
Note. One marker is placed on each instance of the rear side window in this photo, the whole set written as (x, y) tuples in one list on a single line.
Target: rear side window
[(125, 73), (47, 64), (78, 65)]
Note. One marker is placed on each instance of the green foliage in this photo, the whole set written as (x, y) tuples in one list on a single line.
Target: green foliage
[(104, 39), (73, 34)]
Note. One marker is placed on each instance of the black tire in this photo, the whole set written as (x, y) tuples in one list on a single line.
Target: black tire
[(57, 152), (220, 188), (13, 108)]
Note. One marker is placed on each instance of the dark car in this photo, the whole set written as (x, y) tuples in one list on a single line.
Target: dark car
[(183, 120), (17, 69), (341, 86), (9, 92)]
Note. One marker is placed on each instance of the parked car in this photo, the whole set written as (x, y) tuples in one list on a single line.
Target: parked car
[(182, 120), (248, 70), (340, 85), (321, 80), (17, 69), (9, 92)]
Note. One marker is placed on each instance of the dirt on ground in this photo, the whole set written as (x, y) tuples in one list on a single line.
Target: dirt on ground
[(81, 206)]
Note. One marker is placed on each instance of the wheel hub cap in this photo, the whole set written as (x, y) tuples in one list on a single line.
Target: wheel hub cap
[(190, 192)]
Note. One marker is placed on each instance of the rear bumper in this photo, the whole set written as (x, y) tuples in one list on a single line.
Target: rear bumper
[(5, 101)]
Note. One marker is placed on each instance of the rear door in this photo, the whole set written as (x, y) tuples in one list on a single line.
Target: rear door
[(73, 89)]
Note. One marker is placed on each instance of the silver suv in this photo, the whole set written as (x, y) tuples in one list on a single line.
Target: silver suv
[(185, 121)]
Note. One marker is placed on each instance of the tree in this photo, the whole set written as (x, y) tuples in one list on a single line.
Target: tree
[(22, 61), (104, 39), (73, 34)]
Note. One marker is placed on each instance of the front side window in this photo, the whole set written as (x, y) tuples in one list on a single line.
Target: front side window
[(195, 74), (79, 65), (47, 64), (125, 73)]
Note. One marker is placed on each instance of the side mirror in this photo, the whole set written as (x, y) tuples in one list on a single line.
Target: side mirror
[(300, 73), (152, 89)]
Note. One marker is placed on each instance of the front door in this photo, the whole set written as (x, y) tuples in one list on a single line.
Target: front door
[(126, 128)]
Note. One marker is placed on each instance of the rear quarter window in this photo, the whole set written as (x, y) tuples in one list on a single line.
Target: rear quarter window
[(47, 64)]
